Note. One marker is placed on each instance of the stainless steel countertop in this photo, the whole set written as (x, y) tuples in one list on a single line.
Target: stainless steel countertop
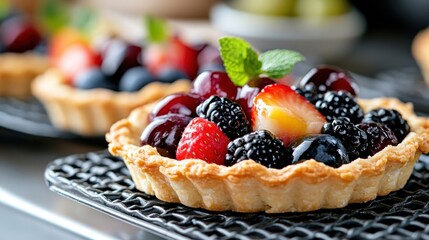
[(25, 199)]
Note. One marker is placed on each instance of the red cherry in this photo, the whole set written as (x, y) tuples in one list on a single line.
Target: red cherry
[(19, 35), (329, 78), (164, 133), (119, 56), (214, 83), (184, 104)]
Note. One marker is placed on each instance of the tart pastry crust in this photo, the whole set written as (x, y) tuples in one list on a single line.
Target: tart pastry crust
[(92, 112), (420, 51), (17, 71), (251, 187)]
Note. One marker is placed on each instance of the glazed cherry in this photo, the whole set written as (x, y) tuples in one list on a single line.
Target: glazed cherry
[(118, 57), (214, 83), (164, 133), (329, 78), (180, 103), (19, 35), (248, 92)]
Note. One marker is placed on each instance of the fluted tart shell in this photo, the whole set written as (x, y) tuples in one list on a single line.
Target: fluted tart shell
[(250, 187), (92, 112), (18, 70)]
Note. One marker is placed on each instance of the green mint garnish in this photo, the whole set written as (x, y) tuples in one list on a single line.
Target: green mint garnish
[(278, 63), (242, 63), (85, 20), (4, 9), (157, 29), (240, 60), (54, 15)]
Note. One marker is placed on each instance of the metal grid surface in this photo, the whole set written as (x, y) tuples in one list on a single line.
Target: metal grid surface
[(103, 182)]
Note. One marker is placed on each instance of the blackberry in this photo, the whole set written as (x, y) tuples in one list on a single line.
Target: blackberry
[(339, 104), (392, 119), (227, 115), (379, 136), (260, 146), (323, 148), (311, 92), (353, 138)]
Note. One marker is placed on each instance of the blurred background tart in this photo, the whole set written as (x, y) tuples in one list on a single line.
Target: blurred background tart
[(22, 53), (96, 81)]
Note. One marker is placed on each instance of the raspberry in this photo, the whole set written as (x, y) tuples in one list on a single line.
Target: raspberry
[(203, 140), (339, 104), (311, 92), (227, 115), (392, 119), (379, 136), (353, 138), (260, 146)]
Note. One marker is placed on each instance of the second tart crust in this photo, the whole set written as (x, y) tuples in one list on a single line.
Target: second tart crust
[(92, 112)]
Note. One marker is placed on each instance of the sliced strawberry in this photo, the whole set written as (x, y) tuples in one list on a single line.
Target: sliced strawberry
[(156, 57), (184, 57), (76, 59), (285, 113), (203, 140)]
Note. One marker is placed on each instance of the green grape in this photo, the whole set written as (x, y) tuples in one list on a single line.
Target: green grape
[(321, 8), (267, 7)]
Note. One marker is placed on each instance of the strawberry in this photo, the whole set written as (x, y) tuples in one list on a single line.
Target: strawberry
[(282, 111), (203, 140), (76, 59), (184, 57), (173, 53)]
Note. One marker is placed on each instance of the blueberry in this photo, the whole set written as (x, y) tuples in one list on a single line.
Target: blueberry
[(2, 47), (169, 75), (93, 78), (135, 78), (41, 48), (322, 148)]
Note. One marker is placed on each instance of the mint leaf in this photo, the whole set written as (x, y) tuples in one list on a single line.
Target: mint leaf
[(277, 63), (85, 20), (240, 60), (4, 9), (157, 29), (54, 15)]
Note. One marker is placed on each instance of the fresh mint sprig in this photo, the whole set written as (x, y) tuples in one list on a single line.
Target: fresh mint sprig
[(242, 63), (157, 29)]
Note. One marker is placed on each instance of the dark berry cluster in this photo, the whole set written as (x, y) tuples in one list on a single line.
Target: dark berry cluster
[(262, 147), (354, 139), (227, 115), (339, 104), (310, 92)]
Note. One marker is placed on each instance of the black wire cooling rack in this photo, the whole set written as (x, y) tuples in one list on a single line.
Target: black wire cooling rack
[(103, 182), (30, 117)]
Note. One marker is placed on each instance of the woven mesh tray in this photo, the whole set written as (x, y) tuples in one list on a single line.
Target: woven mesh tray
[(30, 117), (103, 182)]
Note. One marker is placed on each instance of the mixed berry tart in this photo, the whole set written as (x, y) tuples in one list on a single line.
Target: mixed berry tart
[(243, 142), (22, 55), (91, 87)]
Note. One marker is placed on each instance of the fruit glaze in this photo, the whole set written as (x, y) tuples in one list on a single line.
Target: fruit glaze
[(259, 145)]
